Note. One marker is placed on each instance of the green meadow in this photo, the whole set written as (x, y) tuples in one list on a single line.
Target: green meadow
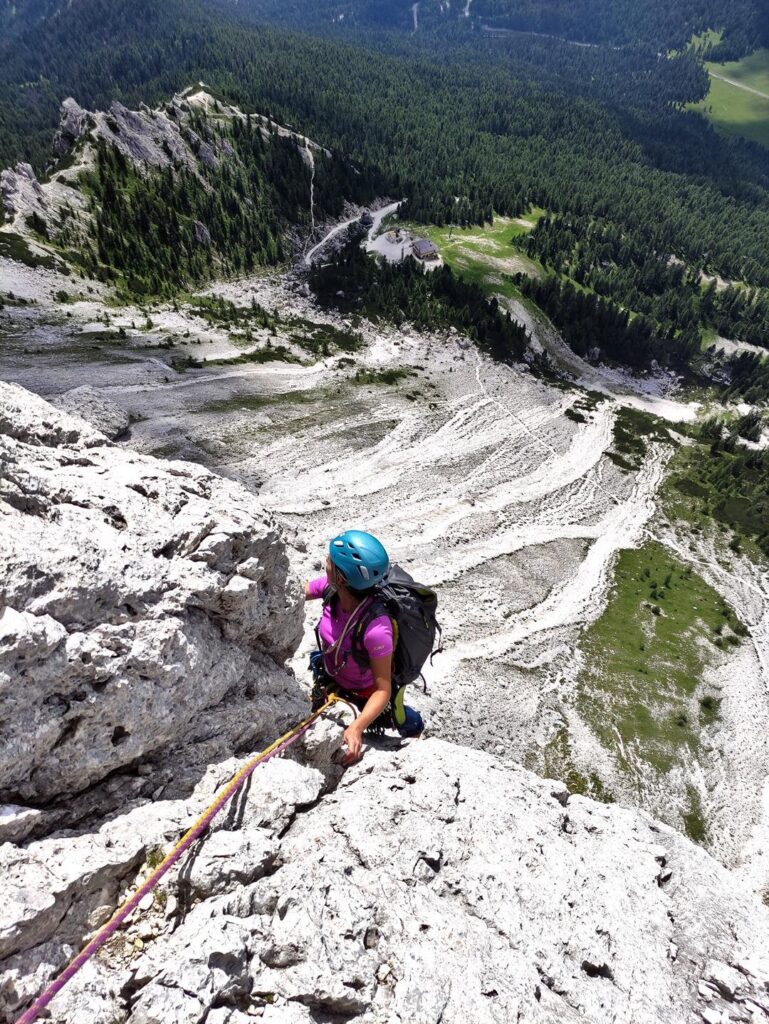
[(731, 105), (487, 254)]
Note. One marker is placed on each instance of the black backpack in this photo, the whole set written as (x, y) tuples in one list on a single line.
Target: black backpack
[(411, 608)]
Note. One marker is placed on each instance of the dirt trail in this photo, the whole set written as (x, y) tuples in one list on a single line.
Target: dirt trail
[(739, 85), (378, 217)]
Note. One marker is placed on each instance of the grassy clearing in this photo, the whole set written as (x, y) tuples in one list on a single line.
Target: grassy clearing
[(645, 658), (323, 339), (485, 255), (389, 376), (256, 403), (709, 487), (269, 354), (558, 764), (706, 40), (701, 43), (731, 108)]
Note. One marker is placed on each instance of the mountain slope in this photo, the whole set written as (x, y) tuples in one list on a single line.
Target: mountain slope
[(19, 16), (156, 199)]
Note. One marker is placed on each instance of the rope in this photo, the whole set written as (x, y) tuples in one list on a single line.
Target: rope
[(120, 915)]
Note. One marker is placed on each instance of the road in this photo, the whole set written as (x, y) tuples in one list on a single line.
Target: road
[(378, 216)]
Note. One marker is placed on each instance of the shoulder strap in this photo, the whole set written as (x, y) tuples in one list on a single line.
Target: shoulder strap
[(377, 607)]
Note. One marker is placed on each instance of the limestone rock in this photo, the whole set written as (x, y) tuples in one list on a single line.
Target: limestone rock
[(57, 890), (124, 617), (97, 410), (202, 234), (207, 156), (433, 884), (16, 823), (74, 121), (21, 192)]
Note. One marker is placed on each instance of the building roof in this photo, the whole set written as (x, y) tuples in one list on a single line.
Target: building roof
[(424, 247)]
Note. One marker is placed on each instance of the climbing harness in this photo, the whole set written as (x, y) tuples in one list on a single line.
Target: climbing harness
[(123, 912)]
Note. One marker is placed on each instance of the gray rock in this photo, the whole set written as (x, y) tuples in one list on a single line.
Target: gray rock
[(207, 156), (202, 234), (726, 979), (92, 406), (73, 123), (16, 823), (229, 858), (123, 608), (433, 884), (21, 192)]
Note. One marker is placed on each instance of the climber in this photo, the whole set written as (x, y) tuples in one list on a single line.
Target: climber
[(355, 640)]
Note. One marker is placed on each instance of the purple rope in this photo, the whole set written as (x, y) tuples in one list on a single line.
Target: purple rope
[(109, 929)]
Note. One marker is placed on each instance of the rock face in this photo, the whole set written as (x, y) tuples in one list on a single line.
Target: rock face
[(21, 192), (74, 121), (136, 596), (202, 234), (434, 884), (95, 409), (146, 607)]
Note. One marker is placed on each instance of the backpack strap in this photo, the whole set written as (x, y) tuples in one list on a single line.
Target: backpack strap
[(374, 611)]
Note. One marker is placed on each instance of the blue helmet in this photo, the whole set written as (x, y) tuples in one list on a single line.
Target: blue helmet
[(360, 558)]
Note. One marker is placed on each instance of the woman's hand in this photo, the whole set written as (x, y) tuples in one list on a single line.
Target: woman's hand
[(353, 740)]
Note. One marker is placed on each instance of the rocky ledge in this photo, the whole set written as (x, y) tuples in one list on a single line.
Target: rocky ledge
[(147, 610)]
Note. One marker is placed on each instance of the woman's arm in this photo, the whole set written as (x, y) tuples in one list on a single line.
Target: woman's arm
[(381, 669), (313, 589)]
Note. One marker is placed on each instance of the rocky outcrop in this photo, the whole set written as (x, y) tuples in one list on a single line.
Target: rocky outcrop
[(73, 123), (202, 234), (60, 209), (434, 884), (136, 598), (146, 137), (22, 194), (146, 608), (92, 406)]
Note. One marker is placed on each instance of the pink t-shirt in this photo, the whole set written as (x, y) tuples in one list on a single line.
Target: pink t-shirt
[(340, 663)]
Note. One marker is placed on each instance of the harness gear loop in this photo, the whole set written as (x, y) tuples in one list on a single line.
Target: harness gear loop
[(193, 833)]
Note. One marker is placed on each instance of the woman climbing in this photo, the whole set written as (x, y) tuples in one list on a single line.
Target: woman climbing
[(355, 639)]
